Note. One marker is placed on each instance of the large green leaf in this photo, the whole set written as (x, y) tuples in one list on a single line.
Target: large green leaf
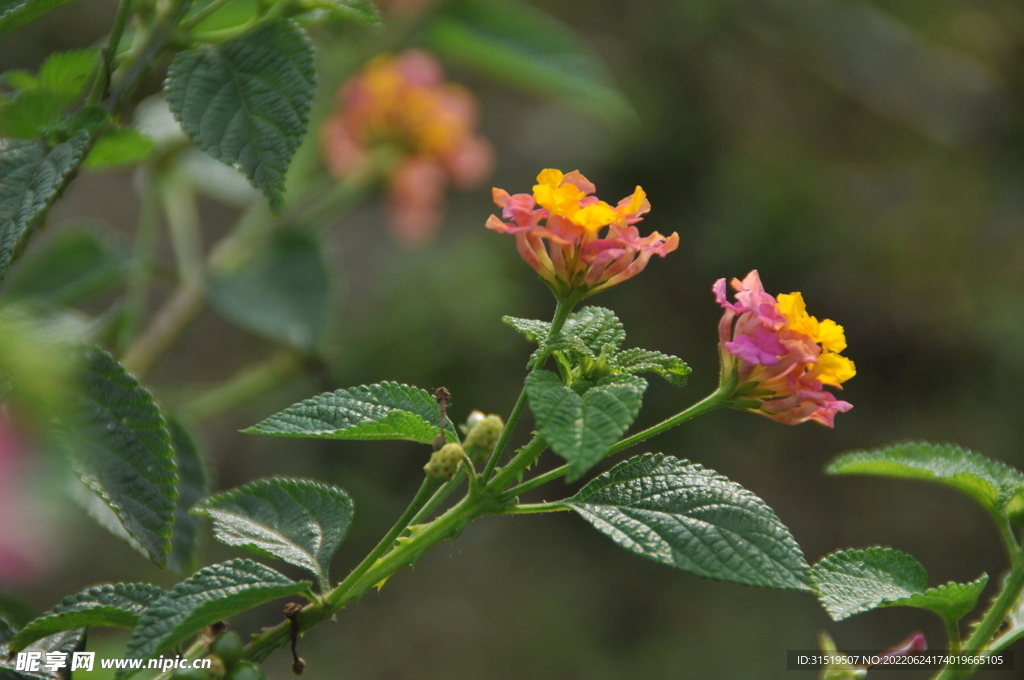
[(952, 601), (193, 485), (368, 412), (117, 605), (282, 292), (854, 581), (123, 452), (16, 13), (518, 43), (582, 428), (210, 595), (31, 178), (67, 73), (247, 102), (295, 520), (683, 515), (72, 266), (25, 114), (990, 482), (67, 641)]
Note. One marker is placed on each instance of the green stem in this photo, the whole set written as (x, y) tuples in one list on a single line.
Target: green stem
[(244, 386), (993, 619), (182, 213), (99, 85), (172, 319), (532, 508), (522, 460), (426, 490), (716, 399), (953, 633), (562, 310), (282, 8), (203, 13), (381, 563), (442, 493), (143, 259)]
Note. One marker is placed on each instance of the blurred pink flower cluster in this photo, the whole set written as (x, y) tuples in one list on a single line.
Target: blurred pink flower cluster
[(404, 102)]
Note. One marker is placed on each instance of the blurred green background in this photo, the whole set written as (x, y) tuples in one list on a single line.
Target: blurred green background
[(868, 154)]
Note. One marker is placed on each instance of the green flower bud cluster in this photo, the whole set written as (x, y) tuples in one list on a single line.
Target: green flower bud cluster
[(226, 655), (482, 432), (445, 461)]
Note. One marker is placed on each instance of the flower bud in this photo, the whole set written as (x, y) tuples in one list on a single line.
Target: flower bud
[(228, 647), (483, 435), (444, 462)]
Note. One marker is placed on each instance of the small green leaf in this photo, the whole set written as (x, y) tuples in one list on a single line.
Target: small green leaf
[(117, 147), (990, 482), (297, 521), (520, 44), (595, 328), (368, 412), (672, 369), (116, 605), (680, 514), (582, 428), (951, 601), (122, 449), (283, 292), (31, 178), (72, 266), (17, 13), (193, 485), (211, 594), (25, 114), (20, 79), (247, 102), (67, 73), (854, 581), (67, 641)]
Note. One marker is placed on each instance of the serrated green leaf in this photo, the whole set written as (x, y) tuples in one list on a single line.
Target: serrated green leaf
[(115, 605), (283, 292), (990, 482), (67, 641), (25, 114), (951, 601), (247, 102), (193, 485), (67, 73), (122, 450), (31, 178), (368, 412), (854, 581), (117, 147), (297, 521), (686, 516), (70, 267), (582, 428), (17, 13), (672, 369), (594, 327), (520, 44), (211, 594)]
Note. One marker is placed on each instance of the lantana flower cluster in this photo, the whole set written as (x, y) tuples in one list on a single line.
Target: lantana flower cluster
[(404, 102), (783, 358), (576, 242)]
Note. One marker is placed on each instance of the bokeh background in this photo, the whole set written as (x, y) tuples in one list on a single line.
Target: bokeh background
[(868, 154)]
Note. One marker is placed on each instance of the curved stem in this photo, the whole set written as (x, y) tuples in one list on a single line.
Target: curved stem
[(716, 399), (99, 85), (533, 508), (562, 310), (197, 18)]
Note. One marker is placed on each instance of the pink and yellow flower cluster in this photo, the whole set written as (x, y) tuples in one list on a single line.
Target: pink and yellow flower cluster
[(404, 102), (576, 242), (783, 358)]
